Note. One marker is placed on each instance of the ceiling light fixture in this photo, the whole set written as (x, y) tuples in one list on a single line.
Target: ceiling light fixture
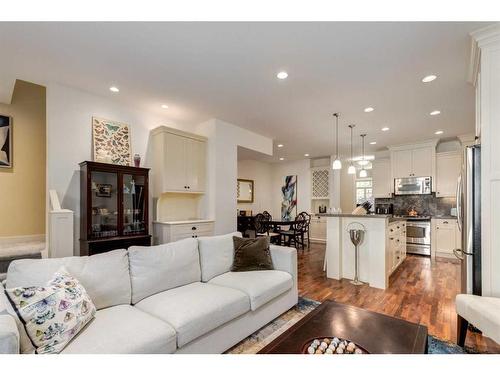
[(114, 89), (306, 155), (164, 106), (385, 128), (439, 132), (352, 168), (280, 145), (434, 113), (429, 78), (369, 109), (363, 172), (337, 164), (282, 75), (373, 143)]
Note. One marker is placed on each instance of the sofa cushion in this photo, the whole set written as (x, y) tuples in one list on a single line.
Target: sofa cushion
[(216, 254), (54, 313), (158, 268), (260, 286), (482, 312), (106, 277), (123, 329), (196, 309)]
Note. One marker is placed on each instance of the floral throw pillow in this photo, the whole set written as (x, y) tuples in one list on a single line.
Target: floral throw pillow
[(52, 315)]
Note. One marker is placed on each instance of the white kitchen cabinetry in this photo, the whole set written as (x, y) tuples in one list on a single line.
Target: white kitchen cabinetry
[(318, 228), (445, 236), (381, 174), (165, 232), (447, 171), (414, 160), (178, 161), (396, 240)]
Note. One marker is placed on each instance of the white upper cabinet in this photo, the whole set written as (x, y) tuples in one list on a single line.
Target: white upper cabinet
[(178, 161), (447, 170), (414, 160), (381, 174)]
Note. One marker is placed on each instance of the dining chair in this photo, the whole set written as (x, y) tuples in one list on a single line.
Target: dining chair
[(261, 224), (308, 227), (295, 235)]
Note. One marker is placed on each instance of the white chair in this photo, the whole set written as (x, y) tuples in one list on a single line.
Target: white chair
[(482, 312)]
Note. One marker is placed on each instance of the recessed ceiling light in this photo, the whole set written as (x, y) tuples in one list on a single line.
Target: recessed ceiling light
[(373, 143), (385, 128), (280, 145), (114, 89), (434, 113), (429, 78), (439, 132), (164, 106), (282, 75), (369, 109), (306, 155), (282, 159)]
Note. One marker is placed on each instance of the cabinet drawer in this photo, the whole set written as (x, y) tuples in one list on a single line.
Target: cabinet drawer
[(192, 228)]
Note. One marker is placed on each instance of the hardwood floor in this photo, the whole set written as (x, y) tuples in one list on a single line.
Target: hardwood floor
[(421, 291)]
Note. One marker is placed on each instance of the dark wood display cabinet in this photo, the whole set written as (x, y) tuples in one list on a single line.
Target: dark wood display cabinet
[(113, 207)]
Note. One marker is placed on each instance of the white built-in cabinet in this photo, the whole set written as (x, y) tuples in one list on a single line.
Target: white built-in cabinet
[(414, 160), (381, 176), (396, 249), (448, 166), (318, 228), (179, 161), (445, 236)]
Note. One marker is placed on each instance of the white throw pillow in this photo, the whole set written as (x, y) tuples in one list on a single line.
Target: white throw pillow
[(52, 315)]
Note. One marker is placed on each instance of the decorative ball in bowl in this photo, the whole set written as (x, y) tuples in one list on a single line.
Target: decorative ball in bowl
[(332, 345)]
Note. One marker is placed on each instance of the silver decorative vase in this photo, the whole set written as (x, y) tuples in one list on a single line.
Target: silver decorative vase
[(357, 236)]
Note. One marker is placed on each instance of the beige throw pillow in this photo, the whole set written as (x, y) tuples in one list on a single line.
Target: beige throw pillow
[(52, 315)]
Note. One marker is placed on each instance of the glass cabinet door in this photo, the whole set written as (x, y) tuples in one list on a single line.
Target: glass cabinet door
[(104, 199), (134, 220)]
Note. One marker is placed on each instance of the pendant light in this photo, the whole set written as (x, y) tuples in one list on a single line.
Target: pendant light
[(362, 172), (337, 164), (352, 168)]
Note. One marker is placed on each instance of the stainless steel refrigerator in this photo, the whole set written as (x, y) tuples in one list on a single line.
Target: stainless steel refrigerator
[(469, 219)]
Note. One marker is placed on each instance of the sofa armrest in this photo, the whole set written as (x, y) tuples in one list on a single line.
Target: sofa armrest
[(285, 259), (9, 335)]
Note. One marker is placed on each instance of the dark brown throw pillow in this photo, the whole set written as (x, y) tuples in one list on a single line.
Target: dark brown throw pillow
[(251, 254)]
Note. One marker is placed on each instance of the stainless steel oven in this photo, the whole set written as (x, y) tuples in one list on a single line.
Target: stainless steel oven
[(418, 236), (413, 186)]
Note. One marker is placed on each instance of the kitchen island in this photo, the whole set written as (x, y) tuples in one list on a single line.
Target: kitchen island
[(381, 252)]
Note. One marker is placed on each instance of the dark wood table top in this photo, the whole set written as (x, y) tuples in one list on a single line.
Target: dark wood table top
[(377, 333)]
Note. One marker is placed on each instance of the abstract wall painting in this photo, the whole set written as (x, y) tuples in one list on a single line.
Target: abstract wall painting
[(289, 198), (111, 142), (5, 142)]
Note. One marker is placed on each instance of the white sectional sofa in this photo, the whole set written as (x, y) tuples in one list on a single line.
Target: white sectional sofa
[(175, 298)]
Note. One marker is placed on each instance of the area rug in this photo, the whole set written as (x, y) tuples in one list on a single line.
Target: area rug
[(269, 332)]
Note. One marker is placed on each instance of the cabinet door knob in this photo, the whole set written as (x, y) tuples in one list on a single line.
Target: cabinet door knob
[(445, 222), (193, 228), (391, 238)]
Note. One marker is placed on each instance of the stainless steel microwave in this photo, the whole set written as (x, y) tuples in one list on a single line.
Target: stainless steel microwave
[(412, 186)]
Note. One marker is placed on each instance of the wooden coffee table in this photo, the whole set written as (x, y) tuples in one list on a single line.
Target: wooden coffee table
[(377, 333)]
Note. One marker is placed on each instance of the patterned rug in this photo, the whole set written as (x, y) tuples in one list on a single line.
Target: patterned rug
[(269, 332)]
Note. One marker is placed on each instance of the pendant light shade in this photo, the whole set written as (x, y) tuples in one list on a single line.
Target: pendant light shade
[(352, 168), (362, 172), (337, 164)]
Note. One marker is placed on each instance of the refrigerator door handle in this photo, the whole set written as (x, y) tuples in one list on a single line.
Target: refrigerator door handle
[(458, 253), (459, 202)]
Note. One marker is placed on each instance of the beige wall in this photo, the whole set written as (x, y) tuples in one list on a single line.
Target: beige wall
[(261, 174), (22, 188)]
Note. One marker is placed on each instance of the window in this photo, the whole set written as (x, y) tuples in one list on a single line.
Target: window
[(364, 190)]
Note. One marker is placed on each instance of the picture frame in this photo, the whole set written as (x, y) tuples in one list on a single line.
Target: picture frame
[(111, 142), (245, 190), (103, 190), (6, 143)]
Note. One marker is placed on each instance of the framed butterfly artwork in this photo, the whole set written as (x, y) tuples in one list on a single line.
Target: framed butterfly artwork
[(111, 142)]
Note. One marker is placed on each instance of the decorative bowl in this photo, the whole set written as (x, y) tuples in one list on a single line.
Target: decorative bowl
[(332, 345)]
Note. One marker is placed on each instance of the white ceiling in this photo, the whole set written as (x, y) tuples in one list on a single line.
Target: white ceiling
[(228, 71)]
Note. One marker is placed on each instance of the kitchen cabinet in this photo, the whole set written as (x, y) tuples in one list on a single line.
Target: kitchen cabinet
[(414, 160), (445, 237), (178, 161), (448, 166), (318, 228), (396, 245), (381, 175)]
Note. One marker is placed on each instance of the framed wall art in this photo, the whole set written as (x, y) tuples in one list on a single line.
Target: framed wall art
[(111, 142), (5, 142)]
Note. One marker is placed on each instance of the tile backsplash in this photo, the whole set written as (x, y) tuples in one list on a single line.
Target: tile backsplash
[(423, 204)]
